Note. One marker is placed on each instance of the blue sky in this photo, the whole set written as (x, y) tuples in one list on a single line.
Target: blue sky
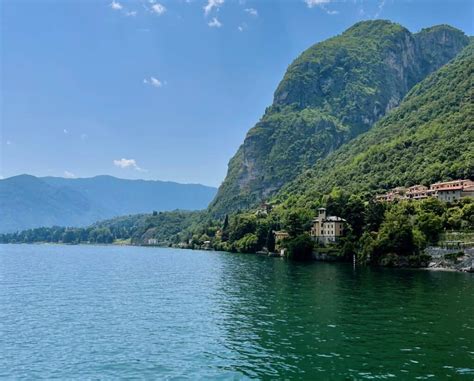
[(160, 89)]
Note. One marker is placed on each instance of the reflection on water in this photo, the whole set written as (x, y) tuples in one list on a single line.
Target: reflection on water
[(75, 312)]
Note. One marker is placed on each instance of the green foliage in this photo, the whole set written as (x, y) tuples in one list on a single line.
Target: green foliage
[(331, 93), (299, 248), (297, 221), (427, 139), (247, 244)]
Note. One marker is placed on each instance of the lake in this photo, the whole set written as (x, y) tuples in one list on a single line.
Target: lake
[(92, 312)]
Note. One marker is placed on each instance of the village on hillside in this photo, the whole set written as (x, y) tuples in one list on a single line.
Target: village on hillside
[(448, 191)]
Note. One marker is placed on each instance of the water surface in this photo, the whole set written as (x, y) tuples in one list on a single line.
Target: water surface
[(90, 312)]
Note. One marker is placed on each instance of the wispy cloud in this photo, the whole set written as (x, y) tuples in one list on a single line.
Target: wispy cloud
[(128, 163), (153, 81), (321, 4), (379, 9), (116, 5), (314, 3), (9, 142), (69, 175), (214, 23), (65, 131), (251, 11), (158, 9), (211, 4)]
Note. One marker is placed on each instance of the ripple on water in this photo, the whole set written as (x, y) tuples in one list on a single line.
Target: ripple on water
[(75, 312)]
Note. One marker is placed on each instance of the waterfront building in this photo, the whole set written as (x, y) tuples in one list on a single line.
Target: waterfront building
[(280, 235), (327, 229)]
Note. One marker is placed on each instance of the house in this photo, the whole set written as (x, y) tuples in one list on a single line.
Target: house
[(445, 191), (152, 241), (327, 229), (263, 209), (394, 194), (452, 190), (468, 191), (418, 192), (280, 236)]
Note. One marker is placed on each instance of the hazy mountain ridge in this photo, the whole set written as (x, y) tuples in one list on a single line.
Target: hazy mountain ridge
[(28, 201)]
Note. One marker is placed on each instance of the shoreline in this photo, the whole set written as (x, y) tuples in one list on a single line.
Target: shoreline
[(427, 268)]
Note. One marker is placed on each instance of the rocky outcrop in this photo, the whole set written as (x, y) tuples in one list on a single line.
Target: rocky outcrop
[(331, 93)]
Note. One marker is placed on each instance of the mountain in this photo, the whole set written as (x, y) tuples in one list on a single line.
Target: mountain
[(330, 94), (27, 201), (428, 138)]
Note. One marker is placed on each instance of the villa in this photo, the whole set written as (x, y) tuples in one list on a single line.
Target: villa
[(327, 229)]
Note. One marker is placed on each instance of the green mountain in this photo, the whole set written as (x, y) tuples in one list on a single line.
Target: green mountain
[(428, 138), (330, 94), (28, 202)]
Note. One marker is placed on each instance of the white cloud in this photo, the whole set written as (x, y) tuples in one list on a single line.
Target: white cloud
[(242, 27), (116, 5), (130, 13), (212, 4), (69, 175), (158, 8), (214, 23), (251, 11), (379, 9), (313, 3), (321, 4), (153, 81), (128, 163)]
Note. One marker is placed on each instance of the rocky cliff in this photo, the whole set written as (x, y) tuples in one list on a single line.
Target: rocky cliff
[(331, 93)]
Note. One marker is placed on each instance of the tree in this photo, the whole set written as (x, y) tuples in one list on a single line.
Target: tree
[(299, 248), (225, 228), (270, 242), (396, 235), (247, 244), (297, 221), (430, 225)]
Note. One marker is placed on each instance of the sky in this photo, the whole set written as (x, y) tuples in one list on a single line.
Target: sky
[(160, 89)]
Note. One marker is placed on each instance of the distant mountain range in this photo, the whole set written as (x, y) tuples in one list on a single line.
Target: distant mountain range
[(28, 201)]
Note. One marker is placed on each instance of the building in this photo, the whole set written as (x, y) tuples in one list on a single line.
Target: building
[(448, 191), (264, 209), (327, 229), (152, 241), (394, 194), (280, 235), (468, 191), (418, 192), (452, 190)]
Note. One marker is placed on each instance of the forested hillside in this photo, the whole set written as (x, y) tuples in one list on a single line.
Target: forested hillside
[(331, 93), (428, 138)]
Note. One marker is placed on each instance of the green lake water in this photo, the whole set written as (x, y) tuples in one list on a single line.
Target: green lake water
[(91, 312)]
